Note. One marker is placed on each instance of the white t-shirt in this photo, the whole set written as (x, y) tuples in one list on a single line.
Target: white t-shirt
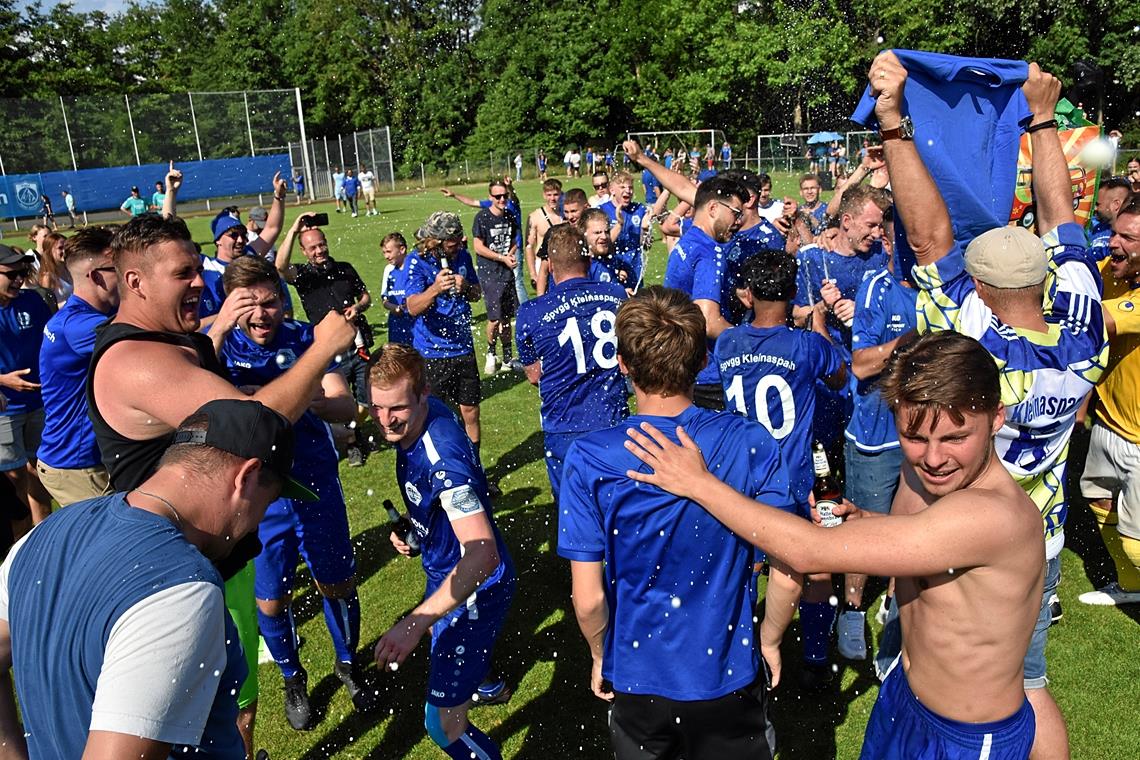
[(366, 180), (772, 212)]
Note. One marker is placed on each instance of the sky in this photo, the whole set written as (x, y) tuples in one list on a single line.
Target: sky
[(107, 6)]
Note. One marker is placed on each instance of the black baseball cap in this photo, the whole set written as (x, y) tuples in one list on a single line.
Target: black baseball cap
[(10, 256), (250, 430)]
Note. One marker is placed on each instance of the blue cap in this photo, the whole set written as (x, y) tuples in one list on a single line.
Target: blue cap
[(223, 223)]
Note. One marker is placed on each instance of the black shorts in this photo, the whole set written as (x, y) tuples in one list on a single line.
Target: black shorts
[(643, 726), (502, 300), (455, 380), (709, 396)]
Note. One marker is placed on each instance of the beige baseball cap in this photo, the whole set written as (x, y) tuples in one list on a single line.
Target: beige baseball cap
[(1007, 257)]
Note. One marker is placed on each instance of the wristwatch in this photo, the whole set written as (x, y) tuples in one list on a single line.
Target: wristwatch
[(904, 131)]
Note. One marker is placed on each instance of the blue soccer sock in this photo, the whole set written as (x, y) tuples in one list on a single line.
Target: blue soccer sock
[(473, 744), (280, 636), (343, 619), (816, 619)]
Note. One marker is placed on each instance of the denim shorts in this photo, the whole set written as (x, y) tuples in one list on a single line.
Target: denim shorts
[(1035, 657), (872, 479)]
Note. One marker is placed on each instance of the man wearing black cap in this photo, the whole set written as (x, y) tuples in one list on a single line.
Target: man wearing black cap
[(22, 319), (134, 205), (133, 652)]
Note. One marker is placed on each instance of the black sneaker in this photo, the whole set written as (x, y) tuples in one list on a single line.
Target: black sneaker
[(365, 696), (492, 693), (816, 676), (297, 708), (1055, 611), (261, 755), (355, 456)]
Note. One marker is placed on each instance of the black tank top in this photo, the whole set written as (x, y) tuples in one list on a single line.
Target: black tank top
[(129, 462)]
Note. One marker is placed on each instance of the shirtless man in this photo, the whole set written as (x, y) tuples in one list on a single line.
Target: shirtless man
[(150, 369), (539, 221), (963, 543)]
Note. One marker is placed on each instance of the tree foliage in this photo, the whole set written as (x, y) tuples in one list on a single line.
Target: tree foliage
[(462, 78)]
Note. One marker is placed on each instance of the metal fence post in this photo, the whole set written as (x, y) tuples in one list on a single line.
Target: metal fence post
[(131, 122), (304, 153)]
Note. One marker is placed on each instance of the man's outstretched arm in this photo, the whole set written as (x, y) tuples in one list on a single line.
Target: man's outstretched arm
[(919, 204), (675, 183), (1052, 186)]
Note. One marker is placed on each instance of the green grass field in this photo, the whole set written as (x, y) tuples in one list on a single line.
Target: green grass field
[(1092, 653)]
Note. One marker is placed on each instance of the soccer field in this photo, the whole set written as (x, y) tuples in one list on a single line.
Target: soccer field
[(1093, 652)]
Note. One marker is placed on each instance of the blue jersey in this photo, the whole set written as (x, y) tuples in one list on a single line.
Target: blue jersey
[(440, 476), (651, 185), (68, 441), (571, 331), (253, 364), (769, 375), (444, 330), (627, 247), (396, 291), (884, 310), (22, 324), (351, 185), (1099, 236), (696, 267), (964, 107), (680, 585), (746, 243), (848, 272)]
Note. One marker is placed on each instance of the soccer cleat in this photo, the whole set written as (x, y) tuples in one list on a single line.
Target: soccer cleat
[(1110, 596), (365, 696), (492, 693), (816, 676), (513, 365), (297, 708), (1055, 611), (491, 365), (851, 641)]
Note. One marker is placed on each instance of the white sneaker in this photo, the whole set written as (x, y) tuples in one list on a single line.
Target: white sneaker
[(354, 214), (884, 610), (1110, 596), (489, 366), (851, 641)]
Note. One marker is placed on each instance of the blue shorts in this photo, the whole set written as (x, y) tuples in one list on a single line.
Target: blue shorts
[(1035, 658), (317, 531), (872, 479), (462, 642), (340, 195), (901, 728), (557, 444)]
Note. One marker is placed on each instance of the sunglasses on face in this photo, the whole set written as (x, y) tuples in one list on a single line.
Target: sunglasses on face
[(599, 187), (15, 274), (236, 234), (103, 269), (737, 213), (498, 196)]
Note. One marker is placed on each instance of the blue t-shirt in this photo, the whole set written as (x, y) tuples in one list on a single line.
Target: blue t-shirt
[(651, 185), (745, 244), (696, 266), (571, 331), (769, 375), (627, 247), (68, 441), (396, 291), (680, 585), (69, 584), (444, 330), (1099, 236), (440, 471), (849, 272), (253, 364), (351, 185), (884, 310), (968, 116), (22, 324)]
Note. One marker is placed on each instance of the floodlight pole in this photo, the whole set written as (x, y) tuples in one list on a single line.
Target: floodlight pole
[(131, 121), (304, 152), (391, 160), (67, 131)]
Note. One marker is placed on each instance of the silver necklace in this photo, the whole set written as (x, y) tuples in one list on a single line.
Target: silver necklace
[(166, 503)]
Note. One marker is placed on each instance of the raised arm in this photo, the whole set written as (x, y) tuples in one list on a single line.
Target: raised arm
[(916, 197), (1052, 186), (275, 219), (285, 250), (173, 185), (466, 200), (670, 180)]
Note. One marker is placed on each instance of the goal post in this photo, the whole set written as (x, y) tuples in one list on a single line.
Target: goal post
[(684, 142)]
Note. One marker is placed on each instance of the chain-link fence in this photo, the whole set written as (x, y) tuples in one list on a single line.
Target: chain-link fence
[(798, 152), (369, 149)]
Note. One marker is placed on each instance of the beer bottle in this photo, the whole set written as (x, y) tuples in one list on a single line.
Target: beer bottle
[(826, 488), (403, 527)]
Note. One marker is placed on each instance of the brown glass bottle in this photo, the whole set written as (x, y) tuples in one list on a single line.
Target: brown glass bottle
[(403, 527), (826, 488)]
